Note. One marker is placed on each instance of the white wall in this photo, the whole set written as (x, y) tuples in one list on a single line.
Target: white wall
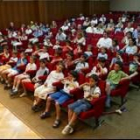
[(125, 5)]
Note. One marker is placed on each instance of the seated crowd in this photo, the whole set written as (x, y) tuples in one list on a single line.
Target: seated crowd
[(40, 55)]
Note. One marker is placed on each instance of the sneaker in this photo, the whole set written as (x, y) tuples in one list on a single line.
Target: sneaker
[(67, 130), (23, 94), (45, 115)]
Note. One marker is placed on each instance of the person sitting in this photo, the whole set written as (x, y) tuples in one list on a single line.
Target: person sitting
[(4, 55), (7, 74), (105, 41), (81, 63), (131, 48), (88, 52), (133, 65), (102, 53), (18, 79), (113, 79), (99, 69), (60, 36), (42, 71), (60, 97), (29, 50), (116, 58), (47, 88), (12, 59), (91, 91)]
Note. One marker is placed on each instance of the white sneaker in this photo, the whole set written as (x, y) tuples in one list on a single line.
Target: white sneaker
[(23, 94), (67, 130)]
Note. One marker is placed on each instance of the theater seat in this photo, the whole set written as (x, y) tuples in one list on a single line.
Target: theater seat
[(121, 90)]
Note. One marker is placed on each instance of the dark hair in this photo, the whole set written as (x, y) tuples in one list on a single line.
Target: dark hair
[(120, 64), (116, 41), (70, 53), (43, 61), (95, 77), (61, 63), (102, 59), (74, 74)]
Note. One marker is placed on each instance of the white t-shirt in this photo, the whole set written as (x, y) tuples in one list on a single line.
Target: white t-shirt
[(99, 31), (104, 42), (69, 85), (53, 77), (89, 92), (94, 21), (31, 66), (28, 31), (80, 66), (128, 30), (80, 41), (90, 29), (44, 55), (102, 55), (41, 72), (95, 71), (13, 59), (29, 50)]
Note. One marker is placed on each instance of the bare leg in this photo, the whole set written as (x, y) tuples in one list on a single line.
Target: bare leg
[(48, 104), (58, 111)]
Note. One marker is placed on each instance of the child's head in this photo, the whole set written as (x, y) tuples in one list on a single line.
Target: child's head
[(69, 55), (105, 34), (42, 63), (101, 61), (89, 47), (44, 49), (59, 67), (68, 43), (114, 42), (136, 57), (72, 75), (58, 52), (93, 80), (14, 54), (118, 66), (32, 59), (30, 45), (22, 55), (103, 50), (83, 58)]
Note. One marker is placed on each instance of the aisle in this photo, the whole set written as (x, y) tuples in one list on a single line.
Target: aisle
[(12, 128)]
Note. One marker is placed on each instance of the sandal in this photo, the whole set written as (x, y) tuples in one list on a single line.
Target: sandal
[(45, 115), (56, 123)]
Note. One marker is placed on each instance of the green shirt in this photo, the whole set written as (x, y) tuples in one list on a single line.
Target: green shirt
[(115, 77)]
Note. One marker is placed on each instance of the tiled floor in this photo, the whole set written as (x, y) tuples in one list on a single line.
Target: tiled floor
[(11, 127)]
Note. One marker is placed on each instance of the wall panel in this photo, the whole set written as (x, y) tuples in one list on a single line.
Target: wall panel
[(46, 11)]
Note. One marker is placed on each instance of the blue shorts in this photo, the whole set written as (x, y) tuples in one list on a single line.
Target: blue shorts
[(112, 86), (60, 96), (79, 106)]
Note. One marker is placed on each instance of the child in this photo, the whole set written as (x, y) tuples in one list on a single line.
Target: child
[(69, 60), (81, 64), (99, 69), (116, 58), (29, 50), (60, 97), (7, 74), (57, 45), (67, 47), (114, 78), (20, 77), (43, 70), (47, 88), (89, 51), (133, 66), (57, 57), (78, 49), (4, 55), (13, 59), (102, 53), (91, 91)]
